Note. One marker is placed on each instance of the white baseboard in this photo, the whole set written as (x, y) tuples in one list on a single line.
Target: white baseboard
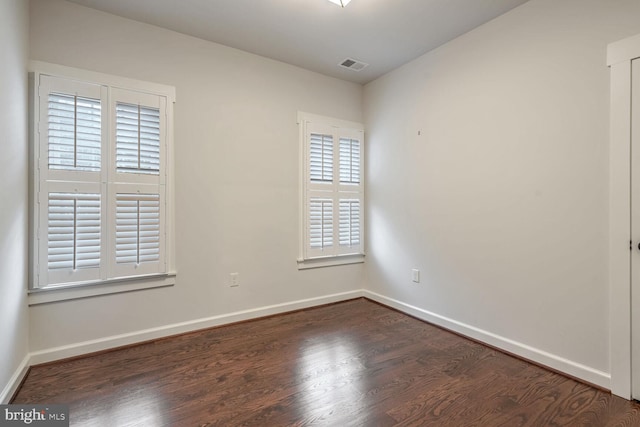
[(77, 349), (15, 380), (577, 370)]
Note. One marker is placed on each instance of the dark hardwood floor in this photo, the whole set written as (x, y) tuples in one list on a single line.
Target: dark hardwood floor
[(355, 363)]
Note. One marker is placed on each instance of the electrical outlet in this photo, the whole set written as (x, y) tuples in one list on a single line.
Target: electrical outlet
[(234, 280), (415, 275)]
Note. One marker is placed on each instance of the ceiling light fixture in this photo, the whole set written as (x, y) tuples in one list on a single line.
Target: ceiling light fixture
[(342, 3)]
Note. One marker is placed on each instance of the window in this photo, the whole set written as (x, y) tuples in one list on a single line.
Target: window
[(332, 191), (102, 187)]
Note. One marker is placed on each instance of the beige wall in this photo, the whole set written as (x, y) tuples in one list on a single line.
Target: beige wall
[(236, 181), (13, 189), (502, 199)]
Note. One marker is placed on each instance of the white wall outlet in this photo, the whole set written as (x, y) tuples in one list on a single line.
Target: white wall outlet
[(234, 280), (415, 275)]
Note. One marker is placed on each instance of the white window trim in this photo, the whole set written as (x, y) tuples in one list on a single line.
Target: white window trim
[(100, 287), (334, 260)]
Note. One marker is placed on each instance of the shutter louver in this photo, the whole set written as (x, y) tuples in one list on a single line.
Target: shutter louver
[(137, 228), (137, 139), (349, 227), (321, 158), (73, 231), (349, 161), (74, 130), (320, 223)]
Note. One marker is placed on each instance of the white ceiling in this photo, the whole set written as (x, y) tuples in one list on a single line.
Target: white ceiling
[(316, 34)]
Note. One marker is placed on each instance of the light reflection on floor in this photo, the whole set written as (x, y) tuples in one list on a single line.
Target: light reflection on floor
[(135, 407), (329, 370)]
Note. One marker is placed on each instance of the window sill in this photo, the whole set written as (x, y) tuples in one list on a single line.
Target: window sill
[(305, 264), (88, 290)]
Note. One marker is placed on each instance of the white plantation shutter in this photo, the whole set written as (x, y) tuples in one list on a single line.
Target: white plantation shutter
[(139, 192), (320, 224), (74, 237), (350, 194), (137, 228), (349, 227), (333, 193), (137, 139), (74, 132), (100, 180), (349, 161), (69, 199), (321, 158), (73, 231)]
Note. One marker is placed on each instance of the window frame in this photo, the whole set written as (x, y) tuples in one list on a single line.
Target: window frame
[(336, 190), (112, 89)]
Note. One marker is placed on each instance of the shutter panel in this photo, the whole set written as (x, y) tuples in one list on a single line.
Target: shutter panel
[(320, 223), (137, 139), (74, 130), (349, 227), (321, 158), (349, 161), (73, 231), (137, 228)]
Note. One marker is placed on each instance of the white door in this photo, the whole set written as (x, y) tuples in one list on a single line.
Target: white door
[(635, 229)]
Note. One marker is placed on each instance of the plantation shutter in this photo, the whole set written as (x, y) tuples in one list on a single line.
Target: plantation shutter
[(349, 228), (73, 231), (137, 139), (138, 190), (320, 224), (349, 161), (333, 190), (350, 193), (321, 158), (137, 228), (69, 196), (100, 182), (74, 236), (74, 132)]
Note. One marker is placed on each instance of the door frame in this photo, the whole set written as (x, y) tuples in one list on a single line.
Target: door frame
[(619, 58)]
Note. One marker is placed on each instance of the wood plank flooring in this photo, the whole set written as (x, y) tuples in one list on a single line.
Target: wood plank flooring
[(354, 363)]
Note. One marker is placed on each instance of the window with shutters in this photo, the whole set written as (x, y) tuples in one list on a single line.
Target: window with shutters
[(332, 191), (102, 187)]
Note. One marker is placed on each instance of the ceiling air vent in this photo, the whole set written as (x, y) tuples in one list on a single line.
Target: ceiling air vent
[(353, 64)]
